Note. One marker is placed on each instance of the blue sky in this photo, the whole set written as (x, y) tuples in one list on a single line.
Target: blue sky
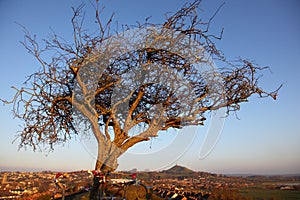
[(266, 137)]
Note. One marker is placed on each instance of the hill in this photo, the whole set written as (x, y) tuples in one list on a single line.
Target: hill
[(179, 170)]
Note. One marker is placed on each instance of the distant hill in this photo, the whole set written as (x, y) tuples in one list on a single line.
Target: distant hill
[(179, 170)]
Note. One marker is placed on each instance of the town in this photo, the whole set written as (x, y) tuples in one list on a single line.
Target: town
[(38, 185), (164, 184)]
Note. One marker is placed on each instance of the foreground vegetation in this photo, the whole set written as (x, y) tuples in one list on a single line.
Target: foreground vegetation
[(265, 193)]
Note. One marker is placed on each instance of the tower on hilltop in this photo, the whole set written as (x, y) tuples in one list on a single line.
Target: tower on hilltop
[(4, 178)]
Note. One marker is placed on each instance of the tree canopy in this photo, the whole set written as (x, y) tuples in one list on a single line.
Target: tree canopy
[(127, 85)]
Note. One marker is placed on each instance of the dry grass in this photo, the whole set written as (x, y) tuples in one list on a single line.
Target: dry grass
[(133, 192)]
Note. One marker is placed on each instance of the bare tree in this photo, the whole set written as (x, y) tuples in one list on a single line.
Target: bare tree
[(128, 85)]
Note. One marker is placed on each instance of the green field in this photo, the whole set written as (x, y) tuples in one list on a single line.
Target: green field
[(261, 193)]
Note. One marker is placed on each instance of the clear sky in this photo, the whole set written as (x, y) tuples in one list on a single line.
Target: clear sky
[(264, 140)]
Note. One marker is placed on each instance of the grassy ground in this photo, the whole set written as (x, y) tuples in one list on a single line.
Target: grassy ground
[(260, 193), (132, 192), (253, 193)]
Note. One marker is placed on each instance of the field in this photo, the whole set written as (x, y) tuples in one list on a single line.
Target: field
[(262, 193)]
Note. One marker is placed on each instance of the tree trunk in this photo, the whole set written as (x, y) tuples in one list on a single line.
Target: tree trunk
[(105, 164)]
